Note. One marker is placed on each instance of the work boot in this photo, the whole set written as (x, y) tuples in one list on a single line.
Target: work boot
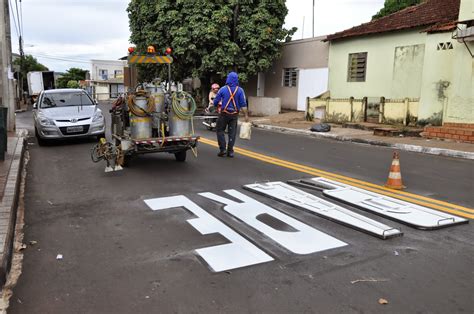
[(230, 154), (221, 153)]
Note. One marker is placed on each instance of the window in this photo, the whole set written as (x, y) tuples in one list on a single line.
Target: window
[(118, 73), (357, 67), (445, 46), (290, 77), (103, 74), (64, 99)]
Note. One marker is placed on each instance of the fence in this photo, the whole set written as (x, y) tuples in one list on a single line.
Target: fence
[(380, 110)]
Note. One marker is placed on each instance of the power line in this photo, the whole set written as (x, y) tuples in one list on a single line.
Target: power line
[(21, 18), (72, 60), (14, 20), (18, 17)]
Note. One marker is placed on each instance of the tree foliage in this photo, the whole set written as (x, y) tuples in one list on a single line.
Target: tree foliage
[(72, 84), (28, 64), (210, 38), (73, 74), (392, 6)]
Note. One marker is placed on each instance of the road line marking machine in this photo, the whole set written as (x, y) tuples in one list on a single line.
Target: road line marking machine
[(151, 119)]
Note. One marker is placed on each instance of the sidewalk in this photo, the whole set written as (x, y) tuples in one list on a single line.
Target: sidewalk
[(294, 123), (10, 177)]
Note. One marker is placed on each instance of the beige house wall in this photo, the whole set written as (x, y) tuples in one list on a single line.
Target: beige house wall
[(437, 78), (301, 54), (460, 105), (380, 65), (466, 11)]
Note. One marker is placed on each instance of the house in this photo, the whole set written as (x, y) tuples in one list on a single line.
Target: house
[(415, 65), (300, 72), (107, 78)]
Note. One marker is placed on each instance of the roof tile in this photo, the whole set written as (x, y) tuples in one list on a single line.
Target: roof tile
[(436, 15)]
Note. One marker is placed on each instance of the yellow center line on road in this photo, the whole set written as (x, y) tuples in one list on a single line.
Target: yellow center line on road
[(413, 198)]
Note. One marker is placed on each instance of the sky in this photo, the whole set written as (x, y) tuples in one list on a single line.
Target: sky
[(68, 33)]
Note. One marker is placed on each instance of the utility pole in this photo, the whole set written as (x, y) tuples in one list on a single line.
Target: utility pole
[(313, 18), (6, 77), (302, 30)]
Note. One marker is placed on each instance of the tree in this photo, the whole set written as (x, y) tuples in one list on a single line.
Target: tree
[(392, 6), (72, 84), (209, 38), (73, 74), (28, 64)]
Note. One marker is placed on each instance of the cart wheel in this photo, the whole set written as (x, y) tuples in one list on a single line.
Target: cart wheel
[(126, 160), (180, 156)]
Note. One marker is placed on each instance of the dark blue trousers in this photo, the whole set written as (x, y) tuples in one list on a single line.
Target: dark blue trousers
[(228, 121)]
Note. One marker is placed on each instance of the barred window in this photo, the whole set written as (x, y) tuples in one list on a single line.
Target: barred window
[(290, 77), (357, 67)]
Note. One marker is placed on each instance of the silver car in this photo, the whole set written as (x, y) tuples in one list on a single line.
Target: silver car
[(67, 113)]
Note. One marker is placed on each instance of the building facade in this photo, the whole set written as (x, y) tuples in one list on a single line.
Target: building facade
[(107, 78), (300, 72)]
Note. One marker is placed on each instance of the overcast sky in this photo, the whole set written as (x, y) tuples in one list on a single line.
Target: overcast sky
[(79, 30)]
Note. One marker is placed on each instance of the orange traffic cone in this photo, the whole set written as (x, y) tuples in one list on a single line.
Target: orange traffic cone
[(395, 177)]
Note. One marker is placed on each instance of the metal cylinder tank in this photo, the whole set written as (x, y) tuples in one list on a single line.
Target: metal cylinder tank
[(159, 96), (179, 126), (140, 126)]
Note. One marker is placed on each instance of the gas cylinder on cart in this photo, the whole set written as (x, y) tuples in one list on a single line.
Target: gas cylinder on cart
[(178, 126), (140, 126), (157, 92)]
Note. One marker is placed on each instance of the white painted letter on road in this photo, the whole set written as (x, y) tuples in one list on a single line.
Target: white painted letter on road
[(302, 240), (238, 253)]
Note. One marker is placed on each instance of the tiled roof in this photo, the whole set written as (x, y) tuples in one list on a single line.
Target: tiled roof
[(435, 15)]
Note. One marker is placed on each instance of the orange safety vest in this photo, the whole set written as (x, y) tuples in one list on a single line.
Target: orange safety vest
[(231, 98)]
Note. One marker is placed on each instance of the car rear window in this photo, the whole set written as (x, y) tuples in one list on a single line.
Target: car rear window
[(65, 99)]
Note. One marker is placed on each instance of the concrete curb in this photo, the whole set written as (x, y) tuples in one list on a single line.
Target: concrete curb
[(403, 147), (8, 206)]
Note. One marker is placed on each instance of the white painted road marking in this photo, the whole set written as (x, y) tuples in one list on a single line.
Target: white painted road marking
[(304, 240), (413, 215), (303, 200), (238, 253)]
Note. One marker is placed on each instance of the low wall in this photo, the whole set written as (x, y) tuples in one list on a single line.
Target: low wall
[(340, 110), (264, 106), (400, 111)]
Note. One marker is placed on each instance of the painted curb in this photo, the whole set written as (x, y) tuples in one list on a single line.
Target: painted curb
[(8, 206), (403, 147)]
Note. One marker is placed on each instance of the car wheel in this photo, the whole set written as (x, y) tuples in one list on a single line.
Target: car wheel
[(41, 141), (180, 156)]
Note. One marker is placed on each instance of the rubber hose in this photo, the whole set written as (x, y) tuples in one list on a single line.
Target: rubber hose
[(138, 111), (183, 113)]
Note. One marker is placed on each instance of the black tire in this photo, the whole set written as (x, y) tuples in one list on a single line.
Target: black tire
[(41, 141), (180, 156), (126, 160)]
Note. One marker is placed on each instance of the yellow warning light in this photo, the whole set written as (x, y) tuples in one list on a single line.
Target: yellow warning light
[(150, 49)]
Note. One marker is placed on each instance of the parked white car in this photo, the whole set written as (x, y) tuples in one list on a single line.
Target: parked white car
[(67, 113)]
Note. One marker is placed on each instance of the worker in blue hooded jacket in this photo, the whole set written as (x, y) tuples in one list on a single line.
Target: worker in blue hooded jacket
[(233, 100)]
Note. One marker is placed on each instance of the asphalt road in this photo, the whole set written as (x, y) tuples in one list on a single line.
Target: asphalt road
[(121, 257)]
